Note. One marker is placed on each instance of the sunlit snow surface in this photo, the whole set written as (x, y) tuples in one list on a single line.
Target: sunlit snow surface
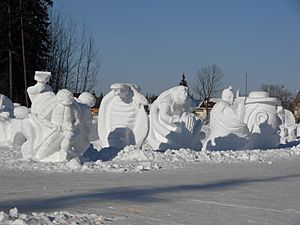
[(131, 159), (127, 160)]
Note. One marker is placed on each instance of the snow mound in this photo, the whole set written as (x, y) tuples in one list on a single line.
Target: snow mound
[(132, 159), (16, 218)]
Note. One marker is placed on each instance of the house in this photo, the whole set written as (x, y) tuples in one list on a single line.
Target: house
[(203, 107), (296, 105)]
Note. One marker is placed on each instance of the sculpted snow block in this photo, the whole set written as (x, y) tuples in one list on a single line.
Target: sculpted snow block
[(227, 130), (122, 118), (172, 124), (262, 119), (55, 129)]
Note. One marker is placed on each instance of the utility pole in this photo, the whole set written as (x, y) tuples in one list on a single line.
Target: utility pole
[(246, 84), (9, 52), (23, 54)]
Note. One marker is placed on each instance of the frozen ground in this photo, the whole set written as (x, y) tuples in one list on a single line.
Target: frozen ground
[(145, 187)]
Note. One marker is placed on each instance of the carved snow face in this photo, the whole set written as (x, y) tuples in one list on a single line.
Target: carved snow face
[(180, 95), (65, 97), (87, 98), (124, 92), (227, 95)]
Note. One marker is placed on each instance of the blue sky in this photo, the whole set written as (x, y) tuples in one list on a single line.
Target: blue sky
[(152, 42)]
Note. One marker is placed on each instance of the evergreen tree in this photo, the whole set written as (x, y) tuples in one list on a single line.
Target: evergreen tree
[(31, 17), (183, 81)]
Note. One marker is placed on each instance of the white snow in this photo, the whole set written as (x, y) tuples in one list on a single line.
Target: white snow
[(134, 159), (16, 218)]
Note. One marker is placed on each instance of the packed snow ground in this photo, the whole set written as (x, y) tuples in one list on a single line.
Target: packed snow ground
[(126, 160), (133, 159)]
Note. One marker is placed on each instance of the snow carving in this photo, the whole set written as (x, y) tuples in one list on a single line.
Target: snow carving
[(55, 130), (122, 119), (11, 116), (172, 124), (288, 128), (227, 129), (6, 107), (86, 101), (262, 119)]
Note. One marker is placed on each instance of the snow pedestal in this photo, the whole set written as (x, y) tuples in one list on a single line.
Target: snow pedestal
[(172, 124), (122, 119)]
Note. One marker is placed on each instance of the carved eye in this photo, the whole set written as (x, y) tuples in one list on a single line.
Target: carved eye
[(261, 117)]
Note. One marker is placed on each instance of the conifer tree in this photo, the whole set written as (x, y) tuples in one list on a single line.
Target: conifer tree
[(31, 17)]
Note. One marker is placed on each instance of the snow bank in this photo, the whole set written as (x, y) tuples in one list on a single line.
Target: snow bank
[(16, 218), (132, 159)]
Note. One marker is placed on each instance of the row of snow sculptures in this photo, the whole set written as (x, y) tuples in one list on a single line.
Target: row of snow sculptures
[(172, 123), (244, 123), (57, 129), (122, 118)]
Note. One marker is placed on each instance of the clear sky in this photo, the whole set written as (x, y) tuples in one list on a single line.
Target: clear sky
[(152, 42)]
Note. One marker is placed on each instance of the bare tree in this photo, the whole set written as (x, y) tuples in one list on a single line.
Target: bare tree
[(278, 91), (73, 59), (207, 83)]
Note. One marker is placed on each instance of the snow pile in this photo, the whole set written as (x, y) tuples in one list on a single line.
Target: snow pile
[(137, 160), (16, 218)]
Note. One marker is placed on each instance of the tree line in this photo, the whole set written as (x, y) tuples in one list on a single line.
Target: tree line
[(33, 37)]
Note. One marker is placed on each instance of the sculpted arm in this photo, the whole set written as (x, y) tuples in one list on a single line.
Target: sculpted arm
[(166, 115)]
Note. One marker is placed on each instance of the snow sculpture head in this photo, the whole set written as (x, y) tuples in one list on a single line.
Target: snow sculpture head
[(180, 95), (227, 131), (87, 98), (65, 97), (172, 125), (122, 118), (262, 119), (227, 95)]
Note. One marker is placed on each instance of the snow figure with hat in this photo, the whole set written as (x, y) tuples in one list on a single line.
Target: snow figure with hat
[(227, 130)]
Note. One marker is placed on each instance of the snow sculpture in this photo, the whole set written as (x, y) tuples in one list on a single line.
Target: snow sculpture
[(6, 107), (262, 119), (172, 124), (54, 129), (10, 121), (41, 86), (86, 101), (122, 118), (227, 129), (288, 129)]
